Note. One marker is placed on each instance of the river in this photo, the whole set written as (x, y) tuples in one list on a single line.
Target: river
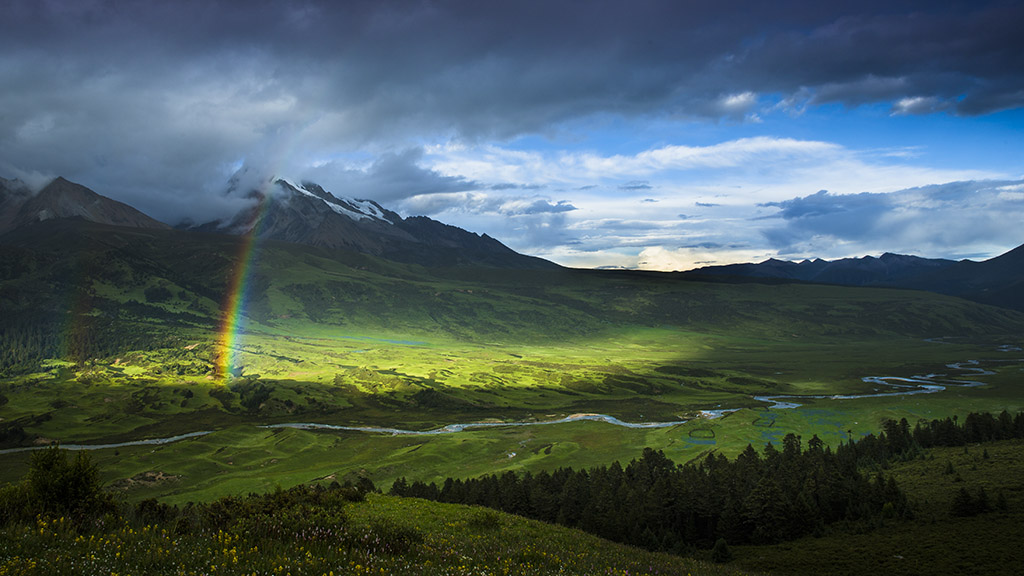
[(903, 386)]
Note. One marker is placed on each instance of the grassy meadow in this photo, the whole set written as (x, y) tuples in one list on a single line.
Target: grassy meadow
[(110, 337), (125, 326)]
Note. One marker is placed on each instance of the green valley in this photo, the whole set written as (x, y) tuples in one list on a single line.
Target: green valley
[(115, 335)]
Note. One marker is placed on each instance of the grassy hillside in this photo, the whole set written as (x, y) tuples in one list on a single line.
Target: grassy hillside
[(936, 541), (111, 335), (316, 532)]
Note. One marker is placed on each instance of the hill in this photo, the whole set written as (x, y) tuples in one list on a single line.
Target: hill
[(937, 540), (113, 334), (312, 530), (154, 283)]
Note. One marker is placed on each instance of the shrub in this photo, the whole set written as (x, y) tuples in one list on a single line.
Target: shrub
[(57, 486), (721, 553)]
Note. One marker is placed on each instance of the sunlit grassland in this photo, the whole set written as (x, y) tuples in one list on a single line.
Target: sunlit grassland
[(241, 457), (324, 376), (344, 339)]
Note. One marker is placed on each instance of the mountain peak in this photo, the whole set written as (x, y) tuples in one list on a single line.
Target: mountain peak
[(62, 198), (304, 212), (355, 209)]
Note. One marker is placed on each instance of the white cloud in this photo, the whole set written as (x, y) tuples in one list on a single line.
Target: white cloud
[(686, 258), (725, 190), (919, 105)]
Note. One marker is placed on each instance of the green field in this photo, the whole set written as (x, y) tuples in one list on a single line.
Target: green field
[(349, 340)]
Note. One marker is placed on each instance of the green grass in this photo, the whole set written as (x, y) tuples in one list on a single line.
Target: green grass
[(935, 542), (638, 374), (346, 339), (383, 535)]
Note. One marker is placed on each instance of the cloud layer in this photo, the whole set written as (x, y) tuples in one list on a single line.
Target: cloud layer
[(420, 104)]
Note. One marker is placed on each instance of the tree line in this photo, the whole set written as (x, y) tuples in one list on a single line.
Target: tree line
[(759, 497)]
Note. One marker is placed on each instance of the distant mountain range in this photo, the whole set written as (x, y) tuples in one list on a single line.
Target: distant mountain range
[(998, 281), (282, 210), (305, 213)]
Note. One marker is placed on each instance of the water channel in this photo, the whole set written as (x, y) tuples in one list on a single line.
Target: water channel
[(902, 386)]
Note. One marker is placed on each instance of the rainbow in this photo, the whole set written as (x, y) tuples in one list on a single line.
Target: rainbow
[(233, 317)]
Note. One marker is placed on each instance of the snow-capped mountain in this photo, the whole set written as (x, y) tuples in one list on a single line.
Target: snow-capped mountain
[(303, 212)]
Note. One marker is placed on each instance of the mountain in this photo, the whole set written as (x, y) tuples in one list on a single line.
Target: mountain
[(13, 193), (998, 281), (867, 271), (305, 213), (282, 210), (63, 199)]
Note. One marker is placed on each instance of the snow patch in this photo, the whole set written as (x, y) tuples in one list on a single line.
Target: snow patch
[(354, 209)]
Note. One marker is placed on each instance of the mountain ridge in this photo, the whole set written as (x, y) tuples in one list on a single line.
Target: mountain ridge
[(62, 198), (998, 281), (303, 213)]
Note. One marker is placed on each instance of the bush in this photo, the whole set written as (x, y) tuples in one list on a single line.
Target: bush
[(56, 486), (721, 553)]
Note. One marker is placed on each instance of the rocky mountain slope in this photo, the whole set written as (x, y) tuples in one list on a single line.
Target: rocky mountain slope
[(305, 213), (283, 210), (64, 199)]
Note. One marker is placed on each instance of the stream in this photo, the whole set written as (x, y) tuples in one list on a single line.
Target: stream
[(926, 384)]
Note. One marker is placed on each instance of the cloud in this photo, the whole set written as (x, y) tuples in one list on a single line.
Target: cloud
[(920, 105), (636, 185), (207, 83), (35, 181), (690, 257), (823, 204), (390, 179), (463, 109), (965, 218), (535, 206)]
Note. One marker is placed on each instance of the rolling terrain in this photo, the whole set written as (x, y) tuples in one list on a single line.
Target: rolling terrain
[(198, 366), (115, 334)]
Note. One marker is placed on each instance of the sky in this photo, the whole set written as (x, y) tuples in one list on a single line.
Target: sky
[(643, 134)]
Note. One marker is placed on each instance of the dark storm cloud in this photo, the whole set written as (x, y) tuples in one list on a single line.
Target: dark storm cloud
[(157, 103), (393, 177)]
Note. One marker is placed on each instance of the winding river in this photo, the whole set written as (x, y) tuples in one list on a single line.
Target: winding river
[(901, 386), (452, 428), (927, 384)]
